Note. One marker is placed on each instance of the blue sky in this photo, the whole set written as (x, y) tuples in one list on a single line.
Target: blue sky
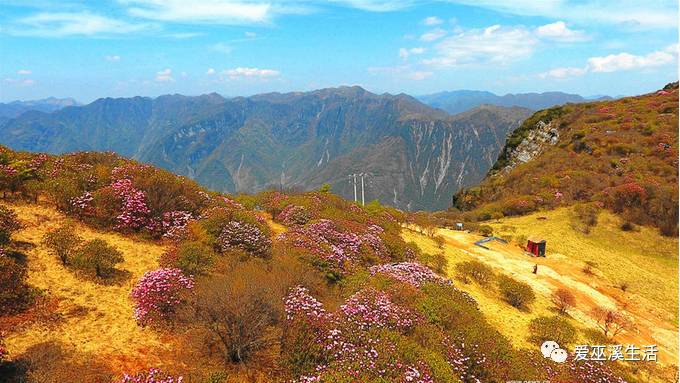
[(121, 48)]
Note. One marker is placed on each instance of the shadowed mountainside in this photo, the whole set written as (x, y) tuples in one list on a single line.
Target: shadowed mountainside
[(416, 156)]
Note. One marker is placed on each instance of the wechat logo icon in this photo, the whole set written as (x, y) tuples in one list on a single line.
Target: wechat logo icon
[(552, 350)]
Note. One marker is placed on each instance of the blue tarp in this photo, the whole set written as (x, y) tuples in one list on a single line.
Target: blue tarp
[(481, 242)]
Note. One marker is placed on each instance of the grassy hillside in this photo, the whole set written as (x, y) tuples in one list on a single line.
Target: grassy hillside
[(650, 299), (89, 316), (619, 154)]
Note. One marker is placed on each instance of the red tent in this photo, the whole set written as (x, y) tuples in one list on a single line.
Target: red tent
[(536, 246)]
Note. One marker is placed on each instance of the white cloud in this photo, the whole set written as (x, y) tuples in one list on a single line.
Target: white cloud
[(24, 71), (627, 61), (222, 48), (241, 72), (617, 62), (165, 75), (562, 73), (112, 58), (19, 82), (226, 12), (404, 53), (432, 20), (559, 31), (72, 24), (419, 75), (494, 44), (378, 5), (648, 14), (250, 35), (433, 35), (210, 72)]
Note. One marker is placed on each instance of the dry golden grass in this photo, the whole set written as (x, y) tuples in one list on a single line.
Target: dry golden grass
[(97, 318), (621, 256), (645, 260), (508, 320)]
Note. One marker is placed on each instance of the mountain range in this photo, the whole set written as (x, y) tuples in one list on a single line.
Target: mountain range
[(416, 157), (462, 100), (16, 108)]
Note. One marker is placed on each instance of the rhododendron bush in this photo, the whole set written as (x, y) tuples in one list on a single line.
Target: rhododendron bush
[(108, 190), (340, 249), (412, 273), (158, 294), (154, 375), (294, 215), (134, 213), (357, 338), (245, 236)]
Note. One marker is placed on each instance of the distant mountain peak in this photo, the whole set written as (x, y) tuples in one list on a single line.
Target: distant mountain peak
[(459, 101), (14, 109)]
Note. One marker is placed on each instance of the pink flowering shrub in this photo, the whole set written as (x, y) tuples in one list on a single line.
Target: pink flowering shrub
[(230, 203), (460, 362), (582, 371), (294, 215), (158, 294), (82, 205), (371, 308), (134, 213), (245, 236), (359, 340), (298, 303), (338, 248), (7, 171), (154, 375), (412, 273), (171, 225)]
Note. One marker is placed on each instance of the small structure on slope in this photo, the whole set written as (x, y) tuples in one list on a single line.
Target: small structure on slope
[(481, 242), (536, 246)]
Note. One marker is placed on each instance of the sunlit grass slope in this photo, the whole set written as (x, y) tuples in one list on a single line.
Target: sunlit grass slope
[(94, 318), (643, 259)]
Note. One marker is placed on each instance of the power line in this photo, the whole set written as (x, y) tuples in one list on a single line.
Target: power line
[(353, 181)]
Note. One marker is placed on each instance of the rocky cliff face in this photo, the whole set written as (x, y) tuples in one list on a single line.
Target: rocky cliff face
[(415, 156), (538, 139)]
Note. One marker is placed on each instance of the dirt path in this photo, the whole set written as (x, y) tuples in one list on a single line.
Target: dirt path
[(557, 271)]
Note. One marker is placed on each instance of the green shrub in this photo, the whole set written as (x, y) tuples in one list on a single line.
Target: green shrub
[(448, 307), (628, 226), (436, 262), (194, 258), (517, 294), (97, 256), (555, 328), (584, 217), (62, 243), (485, 230), (475, 270)]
